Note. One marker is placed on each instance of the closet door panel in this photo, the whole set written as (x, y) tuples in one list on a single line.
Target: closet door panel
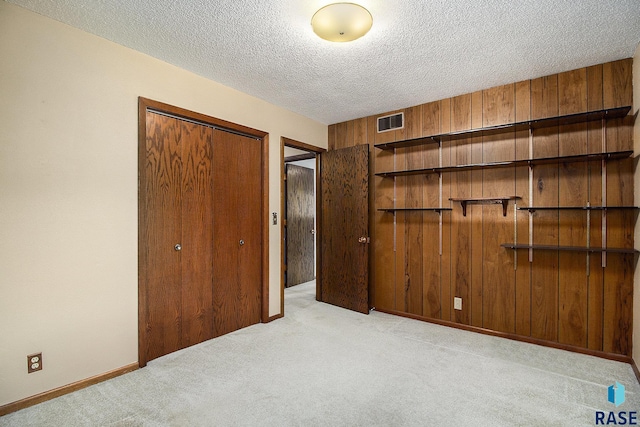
[(250, 229), (237, 232), (197, 234), (225, 234), (161, 231)]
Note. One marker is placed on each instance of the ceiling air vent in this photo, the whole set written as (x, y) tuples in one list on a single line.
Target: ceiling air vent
[(394, 121)]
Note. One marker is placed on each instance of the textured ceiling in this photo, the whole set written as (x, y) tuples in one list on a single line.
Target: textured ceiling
[(417, 50)]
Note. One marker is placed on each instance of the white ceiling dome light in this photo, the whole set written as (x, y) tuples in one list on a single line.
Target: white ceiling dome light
[(342, 22)]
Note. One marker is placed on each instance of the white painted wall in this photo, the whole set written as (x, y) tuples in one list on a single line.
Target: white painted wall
[(68, 193)]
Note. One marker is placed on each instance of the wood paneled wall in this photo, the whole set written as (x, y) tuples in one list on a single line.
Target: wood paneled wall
[(419, 266)]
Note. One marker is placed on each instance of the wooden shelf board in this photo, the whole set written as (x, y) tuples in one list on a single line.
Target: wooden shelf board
[(582, 208), (504, 201), (569, 248), (606, 114), (407, 143), (526, 162), (413, 209)]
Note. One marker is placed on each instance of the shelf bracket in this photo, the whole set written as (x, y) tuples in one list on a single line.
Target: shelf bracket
[(505, 204), (463, 203)]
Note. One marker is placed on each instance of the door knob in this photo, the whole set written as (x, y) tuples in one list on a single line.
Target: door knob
[(177, 247), (241, 242), (313, 231), (364, 239)]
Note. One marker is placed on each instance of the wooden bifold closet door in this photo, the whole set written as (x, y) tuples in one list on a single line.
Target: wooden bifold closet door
[(200, 234)]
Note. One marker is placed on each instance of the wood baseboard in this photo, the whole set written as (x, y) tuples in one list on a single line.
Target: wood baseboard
[(544, 343), (60, 391), (635, 369), (274, 317)]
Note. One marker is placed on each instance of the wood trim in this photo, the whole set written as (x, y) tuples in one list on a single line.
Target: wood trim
[(284, 141), (274, 317), (69, 388), (282, 214), (635, 369), (301, 145), (299, 157), (192, 115), (265, 229), (142, 208), (319, 229), (514, 337), (145, 104)]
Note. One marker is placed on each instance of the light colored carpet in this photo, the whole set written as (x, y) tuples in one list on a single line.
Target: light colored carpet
[(325, 366)]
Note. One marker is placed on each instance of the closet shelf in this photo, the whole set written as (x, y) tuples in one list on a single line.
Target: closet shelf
[(504, 201), (605, 114), (413, 209), (569, 248), (526, 162), (575, 208)]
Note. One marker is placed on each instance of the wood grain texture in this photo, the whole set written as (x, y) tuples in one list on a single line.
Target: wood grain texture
[(618, 273), (162, 230), (402, 279), (523, 266), (360, 132), (498, 272), (331, 136), (177, 207), (446, 299), (432, 260), (617, 83), (561, 297), (249, 214), (300, 210), (573, 190), (341, 139), (544, 275), (237, 268), (475, 215), (197, 234), (461, 227), (595, 317), (384, 224), (412, 227), (345, 218)]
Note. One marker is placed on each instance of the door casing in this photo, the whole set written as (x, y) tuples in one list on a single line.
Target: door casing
[(144, 105), (315, 150), (300, 226)]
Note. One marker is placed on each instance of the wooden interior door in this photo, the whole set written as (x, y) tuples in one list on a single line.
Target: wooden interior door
[(300, 227), (237, 231), (175, 236), (344, 239)]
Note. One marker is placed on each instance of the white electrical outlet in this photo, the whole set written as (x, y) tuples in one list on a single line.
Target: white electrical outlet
[(457, 303)]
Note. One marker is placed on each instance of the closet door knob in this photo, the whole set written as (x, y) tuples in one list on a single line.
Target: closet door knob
[(177, 247), (241, 242)]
